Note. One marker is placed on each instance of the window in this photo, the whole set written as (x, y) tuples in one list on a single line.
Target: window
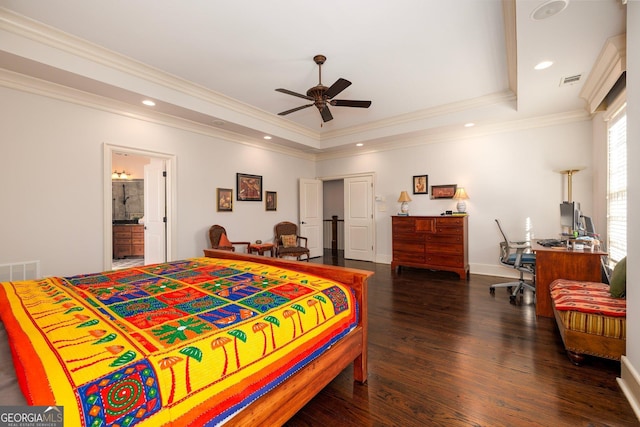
[(617, 186)]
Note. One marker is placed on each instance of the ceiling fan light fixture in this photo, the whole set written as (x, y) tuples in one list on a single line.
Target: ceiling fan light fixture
[(322, 96), (549, 9)]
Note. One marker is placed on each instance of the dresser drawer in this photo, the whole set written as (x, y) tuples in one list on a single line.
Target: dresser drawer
[(454, 239), (445, 260), (409, 245), (403, 225), (448, 221), (438, 248), (446, 229), (408, 257)]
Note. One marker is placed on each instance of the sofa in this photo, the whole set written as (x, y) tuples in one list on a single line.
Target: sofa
[(591, 317)]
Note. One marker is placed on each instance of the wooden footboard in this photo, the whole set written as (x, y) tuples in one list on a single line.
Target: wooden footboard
[(277, 406)]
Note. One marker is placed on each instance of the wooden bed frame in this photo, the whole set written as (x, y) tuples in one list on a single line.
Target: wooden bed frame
[(281, 403)]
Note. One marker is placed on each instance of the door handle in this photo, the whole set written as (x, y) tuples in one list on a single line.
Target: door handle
[(302, 222)]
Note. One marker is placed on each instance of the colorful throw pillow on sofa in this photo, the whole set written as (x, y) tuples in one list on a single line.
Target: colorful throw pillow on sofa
[(289, 240), (618, 285)]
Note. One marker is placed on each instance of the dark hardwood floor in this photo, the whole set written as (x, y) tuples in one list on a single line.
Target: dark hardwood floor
[(445, 352)]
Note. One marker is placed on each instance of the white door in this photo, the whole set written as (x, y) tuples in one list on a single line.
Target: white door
[(155, 225), (311, 215), (358, 218)]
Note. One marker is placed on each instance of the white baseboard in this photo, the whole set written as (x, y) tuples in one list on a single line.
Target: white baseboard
[(629, 382), (483, 269)]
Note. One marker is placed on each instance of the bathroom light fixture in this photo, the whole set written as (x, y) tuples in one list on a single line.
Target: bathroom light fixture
[(120, 175)]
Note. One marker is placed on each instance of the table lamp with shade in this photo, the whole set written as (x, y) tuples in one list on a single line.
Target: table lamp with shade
[(404, 199), (461, 195)]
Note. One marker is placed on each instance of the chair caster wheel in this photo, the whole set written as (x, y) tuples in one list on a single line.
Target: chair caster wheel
[(512, 299), (510, 289), (492, 291)]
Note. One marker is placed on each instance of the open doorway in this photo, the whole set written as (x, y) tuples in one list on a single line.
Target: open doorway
[(349, 226), (138, 207)]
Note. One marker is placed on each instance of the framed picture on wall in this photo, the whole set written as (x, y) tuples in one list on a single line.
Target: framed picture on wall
[(272, 201), (420, 184), (443, 191), (225, 199), (249, 187)]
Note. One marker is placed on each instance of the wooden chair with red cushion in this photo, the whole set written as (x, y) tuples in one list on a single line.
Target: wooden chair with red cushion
[(220, 240)]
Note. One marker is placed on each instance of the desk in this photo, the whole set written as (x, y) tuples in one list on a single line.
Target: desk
[(261, 248), (562, 263)]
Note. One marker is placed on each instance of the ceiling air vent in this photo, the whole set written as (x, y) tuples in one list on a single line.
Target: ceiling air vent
[(570, 80)]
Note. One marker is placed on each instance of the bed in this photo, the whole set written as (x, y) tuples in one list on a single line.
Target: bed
[(227, 338)]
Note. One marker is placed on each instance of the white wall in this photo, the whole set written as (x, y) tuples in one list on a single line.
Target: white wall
[(511, 176), (52, 182), (633, 236)]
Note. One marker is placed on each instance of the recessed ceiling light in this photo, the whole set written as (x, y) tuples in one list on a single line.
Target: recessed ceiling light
[(548, 9), (266, 137), (469, 125), (542, 65), (149, 103), (359, 144)]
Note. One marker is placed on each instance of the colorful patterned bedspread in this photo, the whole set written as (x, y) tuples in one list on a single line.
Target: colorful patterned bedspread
[(191, 341), (586, 297)]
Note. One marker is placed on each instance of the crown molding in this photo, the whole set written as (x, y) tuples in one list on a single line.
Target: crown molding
[(609, 66), (40, 87), (52, 37), (452, 134), (429, 113)]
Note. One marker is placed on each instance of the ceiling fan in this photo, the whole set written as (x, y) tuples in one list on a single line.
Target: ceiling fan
[(322, 96)]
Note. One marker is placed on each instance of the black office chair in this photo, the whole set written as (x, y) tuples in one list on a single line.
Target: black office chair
[(516, 255)]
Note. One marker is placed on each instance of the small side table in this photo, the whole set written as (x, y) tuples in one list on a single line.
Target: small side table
[(261, 248)]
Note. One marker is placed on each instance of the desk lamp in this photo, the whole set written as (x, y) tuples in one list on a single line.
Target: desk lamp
[(405, 199), (461, 196)]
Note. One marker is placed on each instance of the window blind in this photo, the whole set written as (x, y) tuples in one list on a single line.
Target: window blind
[(617, 187)]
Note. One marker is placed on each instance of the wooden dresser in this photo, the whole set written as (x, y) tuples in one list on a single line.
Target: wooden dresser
[(128, 240), (434, 242)]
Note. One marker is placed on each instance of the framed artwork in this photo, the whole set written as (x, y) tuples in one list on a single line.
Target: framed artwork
[(249, 187), (225, 199), (272, 201), (420, 184), (443, 191)]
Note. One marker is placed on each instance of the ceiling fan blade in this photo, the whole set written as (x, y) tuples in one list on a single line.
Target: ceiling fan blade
[(326, 114), (290, 92), (340, 85), (348, 103), (293, 110)]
